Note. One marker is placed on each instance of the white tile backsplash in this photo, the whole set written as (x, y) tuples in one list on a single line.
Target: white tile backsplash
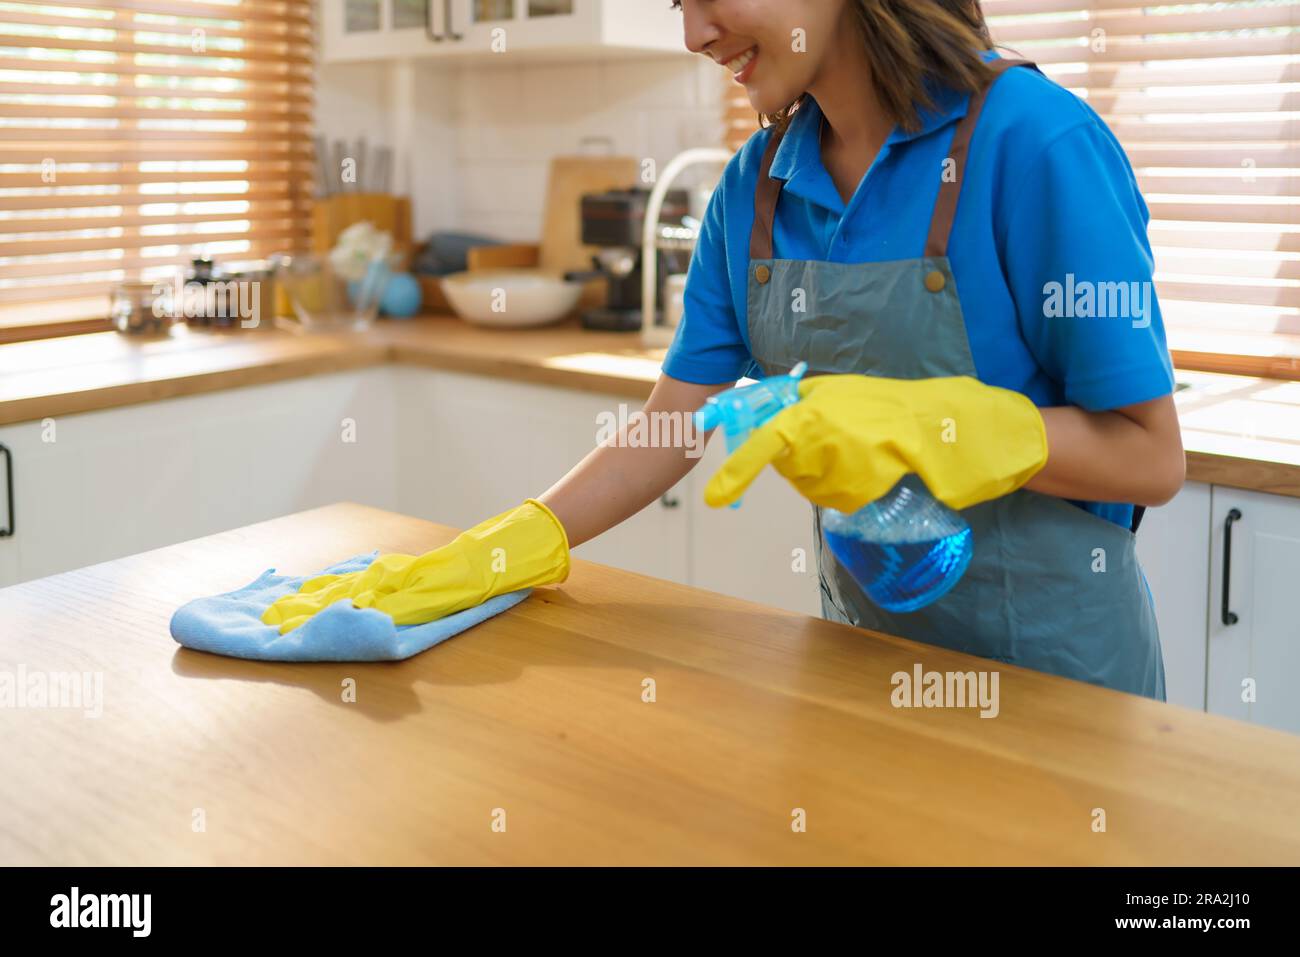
[(352, 100), (485, 136), (501, 186)]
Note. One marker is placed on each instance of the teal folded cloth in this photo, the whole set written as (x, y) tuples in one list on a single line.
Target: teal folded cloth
[(231, 624)]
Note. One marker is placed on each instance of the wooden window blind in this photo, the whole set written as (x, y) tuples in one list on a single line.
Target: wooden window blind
[(136, 135), (1205, 98)]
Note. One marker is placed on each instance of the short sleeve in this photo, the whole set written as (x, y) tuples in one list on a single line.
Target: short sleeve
[(708, 347), (1079, 266)]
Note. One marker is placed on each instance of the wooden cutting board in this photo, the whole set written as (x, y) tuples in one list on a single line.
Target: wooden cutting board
[(561, 246)]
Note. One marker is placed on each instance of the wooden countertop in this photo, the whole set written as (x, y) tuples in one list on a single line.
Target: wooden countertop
[(105, 370), (539, 712), (1241, 431), (1238, 431)]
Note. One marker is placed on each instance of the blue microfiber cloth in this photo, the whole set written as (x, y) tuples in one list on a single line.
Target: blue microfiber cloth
[(231, 624)]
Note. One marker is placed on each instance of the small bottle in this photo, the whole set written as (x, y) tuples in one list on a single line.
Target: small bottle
[(200, 274)]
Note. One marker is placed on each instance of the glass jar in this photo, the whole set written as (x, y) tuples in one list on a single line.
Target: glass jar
[(137, 309)]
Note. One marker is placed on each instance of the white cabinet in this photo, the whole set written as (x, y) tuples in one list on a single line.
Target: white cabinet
[(499, 26), (1240, 658), (655, 541), (762, 551), (102, 485), (356, 30), (1254, 636), (471, 446), (1173, 546), (464, 445)]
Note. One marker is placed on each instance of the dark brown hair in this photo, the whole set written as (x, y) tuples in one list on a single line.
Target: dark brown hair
[(911, 43)]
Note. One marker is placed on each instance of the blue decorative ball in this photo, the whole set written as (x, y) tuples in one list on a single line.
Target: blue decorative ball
[(401, 296)]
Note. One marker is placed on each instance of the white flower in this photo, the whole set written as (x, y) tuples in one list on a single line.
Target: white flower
[(358, 246)]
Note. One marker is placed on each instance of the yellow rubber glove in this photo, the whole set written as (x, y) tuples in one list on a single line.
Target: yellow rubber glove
[(519, 548), (850, 438)]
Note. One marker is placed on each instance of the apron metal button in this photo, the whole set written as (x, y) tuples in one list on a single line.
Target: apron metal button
[(762, 274), (934, 281)]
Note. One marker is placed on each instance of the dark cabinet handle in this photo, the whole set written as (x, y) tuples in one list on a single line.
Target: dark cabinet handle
[(1228, 617), (8, 530), (433, 34), (451, 33)]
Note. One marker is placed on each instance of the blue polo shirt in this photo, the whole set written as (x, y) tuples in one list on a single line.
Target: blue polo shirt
[(1049, 225)]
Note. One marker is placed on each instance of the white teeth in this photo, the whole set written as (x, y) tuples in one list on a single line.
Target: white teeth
[(742, 61)]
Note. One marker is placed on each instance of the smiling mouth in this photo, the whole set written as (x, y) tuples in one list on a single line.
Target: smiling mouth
[(738, 65)]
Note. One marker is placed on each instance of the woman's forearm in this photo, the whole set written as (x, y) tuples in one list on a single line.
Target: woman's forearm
[(618, 478), (1133, 454)]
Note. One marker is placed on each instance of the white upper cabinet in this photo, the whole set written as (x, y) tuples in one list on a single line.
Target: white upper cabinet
[(357, 30)]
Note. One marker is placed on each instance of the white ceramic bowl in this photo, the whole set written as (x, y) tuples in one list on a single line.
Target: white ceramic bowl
[(511, 297)]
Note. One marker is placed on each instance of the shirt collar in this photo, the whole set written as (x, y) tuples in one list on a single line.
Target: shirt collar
[(949, 107), (798, 157)]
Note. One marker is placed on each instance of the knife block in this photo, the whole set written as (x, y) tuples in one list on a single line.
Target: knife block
[(331, 215)]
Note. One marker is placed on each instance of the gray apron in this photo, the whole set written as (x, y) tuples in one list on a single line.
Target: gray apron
[(1050, 586)]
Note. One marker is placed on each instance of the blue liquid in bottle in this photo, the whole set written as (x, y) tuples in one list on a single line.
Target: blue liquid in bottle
[(905, 549)]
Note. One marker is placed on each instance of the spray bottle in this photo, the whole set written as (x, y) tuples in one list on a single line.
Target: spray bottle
[(905, 550)]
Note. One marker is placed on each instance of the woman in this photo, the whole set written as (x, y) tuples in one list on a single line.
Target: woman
[(957, 246)]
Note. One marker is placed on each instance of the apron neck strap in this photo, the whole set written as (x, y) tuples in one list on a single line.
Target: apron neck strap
[(766, 194), (768, 191), (945, 209)]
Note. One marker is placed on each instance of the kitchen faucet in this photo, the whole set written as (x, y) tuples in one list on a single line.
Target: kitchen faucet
[(651, 334)]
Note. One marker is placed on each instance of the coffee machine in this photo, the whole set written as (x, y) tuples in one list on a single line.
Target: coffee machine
[(614, 220)]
